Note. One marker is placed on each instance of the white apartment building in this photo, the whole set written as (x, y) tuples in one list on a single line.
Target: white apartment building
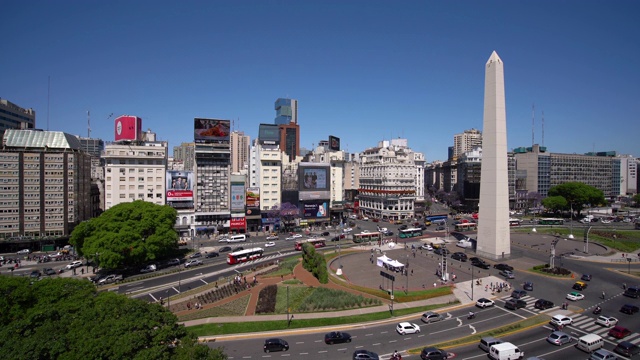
[(628, 175), (135, 171), (239, 144), (465, 142), (337, 160), (266, 173)]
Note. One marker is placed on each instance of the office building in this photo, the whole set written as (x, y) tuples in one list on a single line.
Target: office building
[(13, 116), (239, 152), (185, 153), (465, 142), (286, 111)]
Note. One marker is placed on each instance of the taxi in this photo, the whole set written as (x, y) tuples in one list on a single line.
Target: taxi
[(580, 285)]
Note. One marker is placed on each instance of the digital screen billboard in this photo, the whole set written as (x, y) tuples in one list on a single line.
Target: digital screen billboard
[(334, 143), (179, 185), (237, 197), (269, 134), (314, 181), (316, 210), (253, 201), (211, 130)]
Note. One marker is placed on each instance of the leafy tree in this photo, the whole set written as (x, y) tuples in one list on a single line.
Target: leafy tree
[(555, 203), (578, 195), (128, 234), (68, 319), (636, 199)]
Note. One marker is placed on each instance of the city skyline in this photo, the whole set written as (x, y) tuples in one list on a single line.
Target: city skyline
[(361, 73)]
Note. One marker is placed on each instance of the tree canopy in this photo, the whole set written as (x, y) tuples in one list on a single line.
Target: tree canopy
[(578, 195), (555, 203), (127, 234), (68, 319)]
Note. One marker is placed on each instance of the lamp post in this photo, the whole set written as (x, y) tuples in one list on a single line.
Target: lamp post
[(406, 290), (571, 224), (629, 262), (586, 239)]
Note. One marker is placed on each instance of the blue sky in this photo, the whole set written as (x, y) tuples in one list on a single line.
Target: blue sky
[(363, 71)]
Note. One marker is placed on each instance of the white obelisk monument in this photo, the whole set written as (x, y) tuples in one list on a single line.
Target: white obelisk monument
[(494, 240)]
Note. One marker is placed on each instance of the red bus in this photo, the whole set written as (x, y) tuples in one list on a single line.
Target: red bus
[(244, 255), (316, 242)]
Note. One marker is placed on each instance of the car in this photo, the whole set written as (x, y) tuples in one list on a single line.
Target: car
[(518, 294), (275, 344), (73, 265), (293, 237), (195, 255), (460, 256), (375, 220), (440, 228), (404, 328), (619, 332), (507, 274), (48, 271), (432, 353), (627, 349), (561, 320), (528, 285), (575, 296), (365, 355), (109, 279), (480, 263), (606, 321), (365, 219), (543, 304), (586, 277), (515, 304), (403, 227), (325, 233), (632, 292), (559, 338), (193, 262), (270, 244), (629, 309), (442, 251), (238, 248), (273, 237), (149, 268), (388, 233), (347, 230), (335, 337), (212, 254), (431, 316), (35, 274), (224, 240), (173, 262), (484, 303), (503, 267), (426, 247), (602, 354), (224, 249), (579, 285), (23, 252)]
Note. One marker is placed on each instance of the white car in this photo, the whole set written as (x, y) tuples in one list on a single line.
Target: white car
[(365, 231), (383, 230), (270, 244), (606, 321), (294, 236), (605, 221), (426, 247), (483, 303), (561, 320), (347, 230), (73, 265), (273, 237), (23, 252), (404, 328), (575, 296)]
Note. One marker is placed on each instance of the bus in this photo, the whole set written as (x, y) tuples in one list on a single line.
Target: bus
[(433, 217), (514, 222), (551, 221), (409, 233), (316, 242), (466, 226), (244, 255), (366, 237)]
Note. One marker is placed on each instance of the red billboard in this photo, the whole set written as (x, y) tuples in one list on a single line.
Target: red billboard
[(179, 185), (238, 223), (128, 127)]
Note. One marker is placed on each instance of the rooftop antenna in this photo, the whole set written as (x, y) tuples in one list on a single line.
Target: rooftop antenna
[(48, 97), (543, 128), (88, 124), (533, 122)]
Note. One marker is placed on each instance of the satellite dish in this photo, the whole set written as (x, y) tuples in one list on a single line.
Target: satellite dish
[(392, 245)]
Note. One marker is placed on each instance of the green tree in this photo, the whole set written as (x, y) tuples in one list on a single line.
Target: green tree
[(68, 319), (578, 195), (128, 234), (555, 203), (636, 199)]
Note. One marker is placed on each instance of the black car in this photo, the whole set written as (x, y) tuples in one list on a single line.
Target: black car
[(275, 344), (629, 309), (586, 277), (433, 353), (479, 263), (442, 251), (543, 304), (365, 355), (460, 256), (528, 285), (224, 249), (335, 337), (388, 233), (627, 349), (503, 267), (326, 233), (403, 227), (35, 274), (632, 292), (518, 294), (440, 228), (515, 304), (212, 254)]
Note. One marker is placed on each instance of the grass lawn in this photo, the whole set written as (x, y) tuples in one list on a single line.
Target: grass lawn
[(237, 307), (624, 240)]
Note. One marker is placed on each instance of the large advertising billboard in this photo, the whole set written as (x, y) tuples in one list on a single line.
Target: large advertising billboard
[(334, 143), (238, 223), (269, 134), (253, 201), (237, 197), (128, 127), (179, 185), (211, 130), (316, 210), (314, 181)]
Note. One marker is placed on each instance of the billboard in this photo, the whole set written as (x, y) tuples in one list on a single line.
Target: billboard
[(316, 210), (269, 134), (237, 197), (128, 127), (238, 223), (211, 130), (179, 185), (314, 181), (253, 201), (334, 143)]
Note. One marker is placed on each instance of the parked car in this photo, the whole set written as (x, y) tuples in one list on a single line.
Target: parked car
[(602, 354), (432, 353), (484, 303), (336, 337), (543, 304), (23, 252), (503, 267), (365, 355), (195, 255), (325, 233), (479, 263), (275, 344), (35, 274), (440, 228), (404, 328), (431, 316), (515, 304), (460, 256), (73, 265), (518, 294), (559, 338), (388, 233), (619, 332), (149, 268), (110, 279), (48, 271), (442, 251), (211, 254), (606, 321), (192, 262), (507, 274), (627, 349), (173, 262), (575, 296), (426, 247), (629, 309)]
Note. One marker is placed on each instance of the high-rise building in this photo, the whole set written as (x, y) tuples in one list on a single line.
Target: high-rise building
[(185, 153), (286, 111), (13, 116), (239, 151), (290, 140), (466, 141), (46, 184)]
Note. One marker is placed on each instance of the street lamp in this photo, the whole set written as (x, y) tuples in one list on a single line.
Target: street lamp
[(629, 262), (406, 290), (586, 239), (571, 223)]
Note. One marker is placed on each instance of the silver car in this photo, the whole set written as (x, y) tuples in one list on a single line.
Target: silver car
[(431, 316)]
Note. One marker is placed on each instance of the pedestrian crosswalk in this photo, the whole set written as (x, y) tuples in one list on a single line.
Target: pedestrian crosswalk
[(531, 302), (265, 258)]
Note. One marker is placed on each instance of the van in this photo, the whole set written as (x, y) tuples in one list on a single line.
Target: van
[(632, 291), (590, 343), (487, 342), (237, 238), (505, 351)]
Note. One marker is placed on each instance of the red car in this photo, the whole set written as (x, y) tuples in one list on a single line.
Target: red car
[(619, 332)]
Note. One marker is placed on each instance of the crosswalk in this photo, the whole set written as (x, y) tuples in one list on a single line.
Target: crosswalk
[(265, 258), (531, 301)]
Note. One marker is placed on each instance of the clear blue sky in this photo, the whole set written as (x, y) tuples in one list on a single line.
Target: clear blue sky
[(364, 71)]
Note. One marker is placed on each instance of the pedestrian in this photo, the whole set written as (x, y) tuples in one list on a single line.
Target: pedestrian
[(189, 306), (435, 285), (411, 272), (624, 286), (603, 294)]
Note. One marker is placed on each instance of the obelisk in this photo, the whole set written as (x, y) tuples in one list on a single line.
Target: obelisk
[(494, 240)]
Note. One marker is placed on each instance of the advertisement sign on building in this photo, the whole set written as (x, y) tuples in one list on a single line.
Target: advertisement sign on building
[(179, 185), (334, 143), (211, 130), (314, 181), (238, 223), (237, 197), (253, 201), (128, 127), (269, 134), (316, 210)]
